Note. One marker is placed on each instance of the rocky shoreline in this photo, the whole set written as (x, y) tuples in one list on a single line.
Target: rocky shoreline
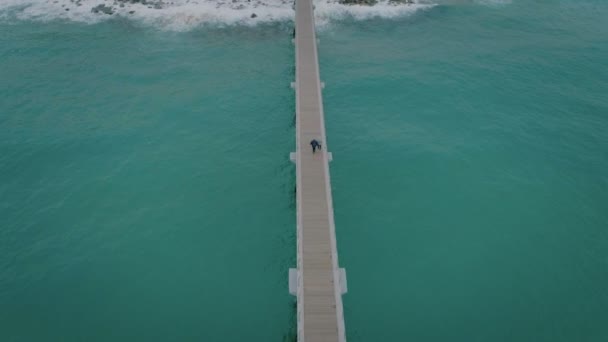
[(109, 10), (159, 4), (155, 4), (373, 2)]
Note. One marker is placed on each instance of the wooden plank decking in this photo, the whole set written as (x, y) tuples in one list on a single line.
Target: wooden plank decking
[(319, 291)]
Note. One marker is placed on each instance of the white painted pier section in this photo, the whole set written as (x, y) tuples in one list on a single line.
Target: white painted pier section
[(318, 282)]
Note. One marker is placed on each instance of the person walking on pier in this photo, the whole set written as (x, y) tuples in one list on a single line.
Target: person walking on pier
[(315, 144)]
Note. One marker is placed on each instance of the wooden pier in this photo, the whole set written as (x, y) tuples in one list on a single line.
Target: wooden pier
[(318, 282)]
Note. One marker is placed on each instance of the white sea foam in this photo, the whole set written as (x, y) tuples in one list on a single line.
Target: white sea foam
[(181, 15), (333, 10)]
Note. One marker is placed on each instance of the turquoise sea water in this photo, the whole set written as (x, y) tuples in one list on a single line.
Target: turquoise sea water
[(146, 192)]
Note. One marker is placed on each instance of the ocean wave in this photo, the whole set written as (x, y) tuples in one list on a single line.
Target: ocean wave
[(183, 15)]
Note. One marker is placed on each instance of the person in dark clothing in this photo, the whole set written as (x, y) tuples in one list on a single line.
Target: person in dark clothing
[(315, 144)]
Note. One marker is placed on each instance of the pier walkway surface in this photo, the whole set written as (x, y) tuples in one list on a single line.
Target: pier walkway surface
[(318, 282)]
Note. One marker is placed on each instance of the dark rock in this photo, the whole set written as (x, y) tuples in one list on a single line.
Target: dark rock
[(102, 9), (253, 15), (131, 12), (359, 2), (156, 4)]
